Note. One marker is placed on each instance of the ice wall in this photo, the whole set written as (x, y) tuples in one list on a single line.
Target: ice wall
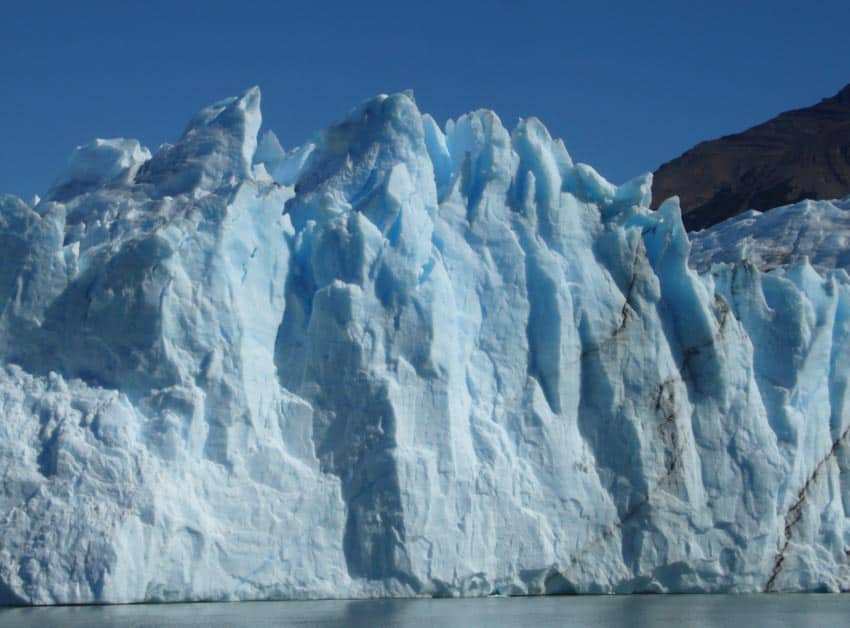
[(402, 360)]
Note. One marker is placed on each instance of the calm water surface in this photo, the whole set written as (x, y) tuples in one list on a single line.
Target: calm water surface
[(749, 611)]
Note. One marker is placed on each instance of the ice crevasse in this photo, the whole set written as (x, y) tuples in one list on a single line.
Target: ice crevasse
[(403, 360)]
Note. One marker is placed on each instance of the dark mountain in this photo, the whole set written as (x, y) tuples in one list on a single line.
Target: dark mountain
[(799, 154)]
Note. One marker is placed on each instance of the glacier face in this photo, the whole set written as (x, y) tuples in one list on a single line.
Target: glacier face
[(402, 360), (817, 230)]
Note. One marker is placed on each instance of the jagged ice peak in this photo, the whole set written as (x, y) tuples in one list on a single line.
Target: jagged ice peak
[(402, 359)]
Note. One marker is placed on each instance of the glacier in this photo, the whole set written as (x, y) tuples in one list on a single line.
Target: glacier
[(406, 360), (817, 230)]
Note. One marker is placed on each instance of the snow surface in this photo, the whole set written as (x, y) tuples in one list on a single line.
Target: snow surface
[(818, 230), (402, 360)]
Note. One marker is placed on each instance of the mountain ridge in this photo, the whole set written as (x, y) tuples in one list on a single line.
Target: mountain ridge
[(799, 154)]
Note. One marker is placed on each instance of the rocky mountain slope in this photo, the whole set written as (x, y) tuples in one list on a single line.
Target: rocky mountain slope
[(800, 154)]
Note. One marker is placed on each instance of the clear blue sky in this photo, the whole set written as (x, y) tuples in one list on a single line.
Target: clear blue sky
[(627, 85)]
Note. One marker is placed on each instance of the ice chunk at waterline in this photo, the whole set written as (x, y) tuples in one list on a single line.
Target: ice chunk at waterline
[(403, 359)]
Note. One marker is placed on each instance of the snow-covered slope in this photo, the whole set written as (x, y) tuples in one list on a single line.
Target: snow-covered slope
[(402, 360), (818, 230)]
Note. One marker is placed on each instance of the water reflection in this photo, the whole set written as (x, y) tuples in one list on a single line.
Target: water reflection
[(689, 611)]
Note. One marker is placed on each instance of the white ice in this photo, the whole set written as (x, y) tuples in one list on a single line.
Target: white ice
[(403, 359)]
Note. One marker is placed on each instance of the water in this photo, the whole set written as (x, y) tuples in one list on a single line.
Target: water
[(698, 611)]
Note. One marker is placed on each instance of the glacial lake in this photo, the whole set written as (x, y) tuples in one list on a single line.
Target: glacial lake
[(698, 611)]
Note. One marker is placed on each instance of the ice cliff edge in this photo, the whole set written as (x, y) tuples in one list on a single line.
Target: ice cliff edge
[(402, 360)]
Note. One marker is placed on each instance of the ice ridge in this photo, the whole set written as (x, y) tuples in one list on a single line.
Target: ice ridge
[(403, 359)]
